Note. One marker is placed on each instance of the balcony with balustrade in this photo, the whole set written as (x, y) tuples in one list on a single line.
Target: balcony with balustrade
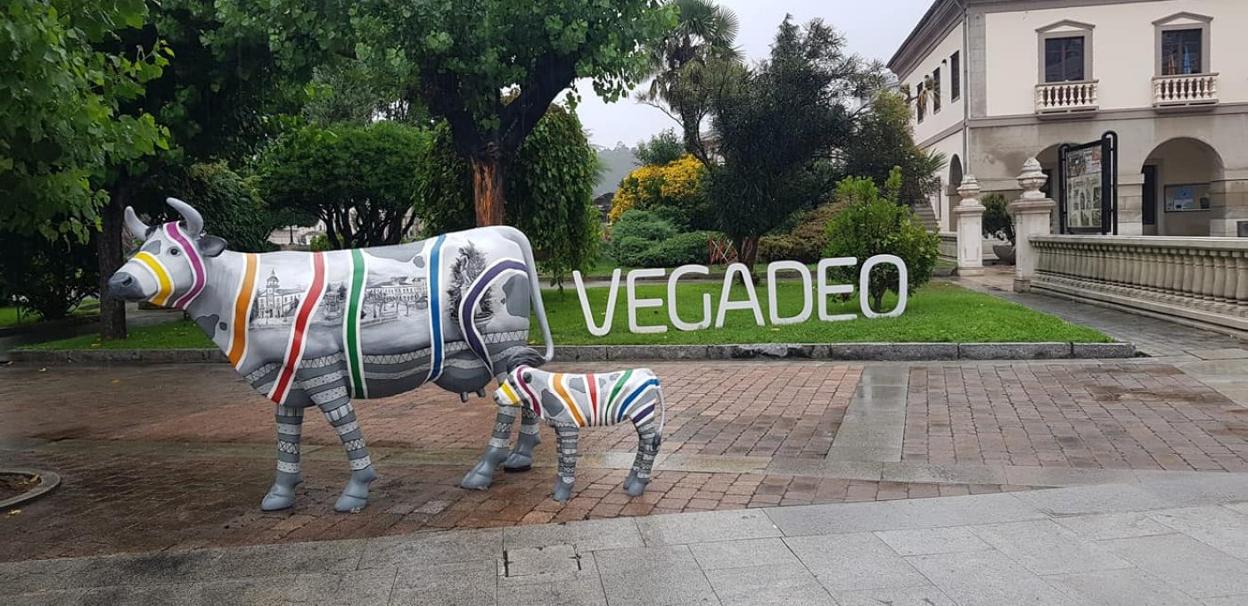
[(1185, 90), (1063, 98)]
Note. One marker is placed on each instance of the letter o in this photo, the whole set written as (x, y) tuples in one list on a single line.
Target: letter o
[(864, 282)]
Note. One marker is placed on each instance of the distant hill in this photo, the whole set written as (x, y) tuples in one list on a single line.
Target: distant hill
[(617, 162)]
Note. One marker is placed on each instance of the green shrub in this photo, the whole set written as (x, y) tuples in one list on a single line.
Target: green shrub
[(681, 249), (872, 224), (48, 277), (805, 240), (634, 233), (997, 220)]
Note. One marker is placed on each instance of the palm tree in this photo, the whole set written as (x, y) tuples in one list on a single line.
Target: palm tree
[(689, 64)]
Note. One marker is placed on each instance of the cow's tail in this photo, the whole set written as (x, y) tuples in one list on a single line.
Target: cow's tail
[(535, 286)]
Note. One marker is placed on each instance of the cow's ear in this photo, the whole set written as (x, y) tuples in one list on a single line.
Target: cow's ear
[(211, 246)]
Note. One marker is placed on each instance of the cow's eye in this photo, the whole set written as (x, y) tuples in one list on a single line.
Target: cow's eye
[(174, 251)]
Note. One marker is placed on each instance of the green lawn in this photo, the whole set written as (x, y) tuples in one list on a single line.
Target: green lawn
[(9, 316), (938, 313), (182, 334)]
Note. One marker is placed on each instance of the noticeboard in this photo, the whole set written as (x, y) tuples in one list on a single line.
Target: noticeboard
[(1087, 187)]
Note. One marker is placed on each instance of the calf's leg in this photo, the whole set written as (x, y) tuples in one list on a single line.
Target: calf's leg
[(289, 428), (336, 406), (521, 457), (483, 474), (566, 478), (647, 450)]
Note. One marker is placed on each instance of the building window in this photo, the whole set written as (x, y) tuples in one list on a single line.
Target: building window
[(1065, 52), (920, 102), (1064, 59), (936, 91), (1183, 45), (955, 76)]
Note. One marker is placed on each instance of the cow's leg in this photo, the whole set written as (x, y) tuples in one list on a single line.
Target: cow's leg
[(564, 480), (289, 427), (336, 406), (521, 457), (647, 449), (483, 474)]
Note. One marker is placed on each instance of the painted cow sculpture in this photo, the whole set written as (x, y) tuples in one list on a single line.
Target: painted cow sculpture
[(322, 328)]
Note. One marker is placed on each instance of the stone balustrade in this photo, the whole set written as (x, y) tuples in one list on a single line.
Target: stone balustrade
[(1055, 97), (1193, 89), (1200, 279)]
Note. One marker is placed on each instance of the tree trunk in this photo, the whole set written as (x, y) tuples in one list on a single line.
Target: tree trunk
[(692, 128), (108, 248), (747, 251), (487, 189)]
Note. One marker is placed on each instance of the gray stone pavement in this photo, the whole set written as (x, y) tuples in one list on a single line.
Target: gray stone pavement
[(1171, 539)]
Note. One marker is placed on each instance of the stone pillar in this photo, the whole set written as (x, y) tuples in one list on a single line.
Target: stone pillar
[(1131, 204), (1229, 206), (1032, 217), (969, 216)]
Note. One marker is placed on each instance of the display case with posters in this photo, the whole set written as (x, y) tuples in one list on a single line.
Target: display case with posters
[(1087, 187)]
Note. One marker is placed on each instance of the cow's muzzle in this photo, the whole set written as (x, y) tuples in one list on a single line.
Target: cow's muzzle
[(125, 286)]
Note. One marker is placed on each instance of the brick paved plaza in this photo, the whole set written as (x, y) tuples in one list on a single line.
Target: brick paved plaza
[(179, 456)]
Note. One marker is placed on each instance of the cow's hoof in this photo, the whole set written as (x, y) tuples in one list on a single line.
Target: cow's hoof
[(563, 490), (518, 462), (279, 498), (477, 479), (355, 495), (636, 488), (281, 494)]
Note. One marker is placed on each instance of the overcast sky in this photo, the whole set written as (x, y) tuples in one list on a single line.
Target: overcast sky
[(872, 29)]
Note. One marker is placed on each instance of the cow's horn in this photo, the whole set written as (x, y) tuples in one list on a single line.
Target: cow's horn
[(194, 222), (137, 227)]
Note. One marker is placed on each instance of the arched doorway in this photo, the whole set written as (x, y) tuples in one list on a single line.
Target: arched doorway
[(1178, 193)]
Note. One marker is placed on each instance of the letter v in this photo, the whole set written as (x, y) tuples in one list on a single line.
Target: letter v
[(594, 329)]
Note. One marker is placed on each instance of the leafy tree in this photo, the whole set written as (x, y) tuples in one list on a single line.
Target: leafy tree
[(359, 180), (876, 224), (63, 82), (230, 204), (882, 139), (490, 68), (550, 192), (663, 148), (692, 63), (776, 127)]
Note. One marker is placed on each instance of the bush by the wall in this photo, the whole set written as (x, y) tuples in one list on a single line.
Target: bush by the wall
[(997, 220), (872, 224)]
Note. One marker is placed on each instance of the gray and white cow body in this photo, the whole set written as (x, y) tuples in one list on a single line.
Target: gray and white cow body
[(321, 329)]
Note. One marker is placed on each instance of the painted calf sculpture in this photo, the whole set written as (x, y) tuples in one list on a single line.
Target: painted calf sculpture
[(323, 328), (569, 402)]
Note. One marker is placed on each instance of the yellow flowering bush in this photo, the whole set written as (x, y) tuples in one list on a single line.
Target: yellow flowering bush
[(673, 190)]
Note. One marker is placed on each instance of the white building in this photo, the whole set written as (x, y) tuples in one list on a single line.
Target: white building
[(1005, 80)]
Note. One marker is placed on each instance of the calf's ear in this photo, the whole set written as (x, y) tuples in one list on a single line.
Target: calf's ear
[(211, 246)]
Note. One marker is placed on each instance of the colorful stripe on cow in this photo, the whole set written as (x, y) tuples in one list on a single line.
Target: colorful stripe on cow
[(239, 323), (296, 344), (164, 284), (351, 325), (588, 408), (477, 291), (199, 275), (436, 344)]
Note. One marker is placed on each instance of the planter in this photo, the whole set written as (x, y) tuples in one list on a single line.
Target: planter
[(1004, 252)]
